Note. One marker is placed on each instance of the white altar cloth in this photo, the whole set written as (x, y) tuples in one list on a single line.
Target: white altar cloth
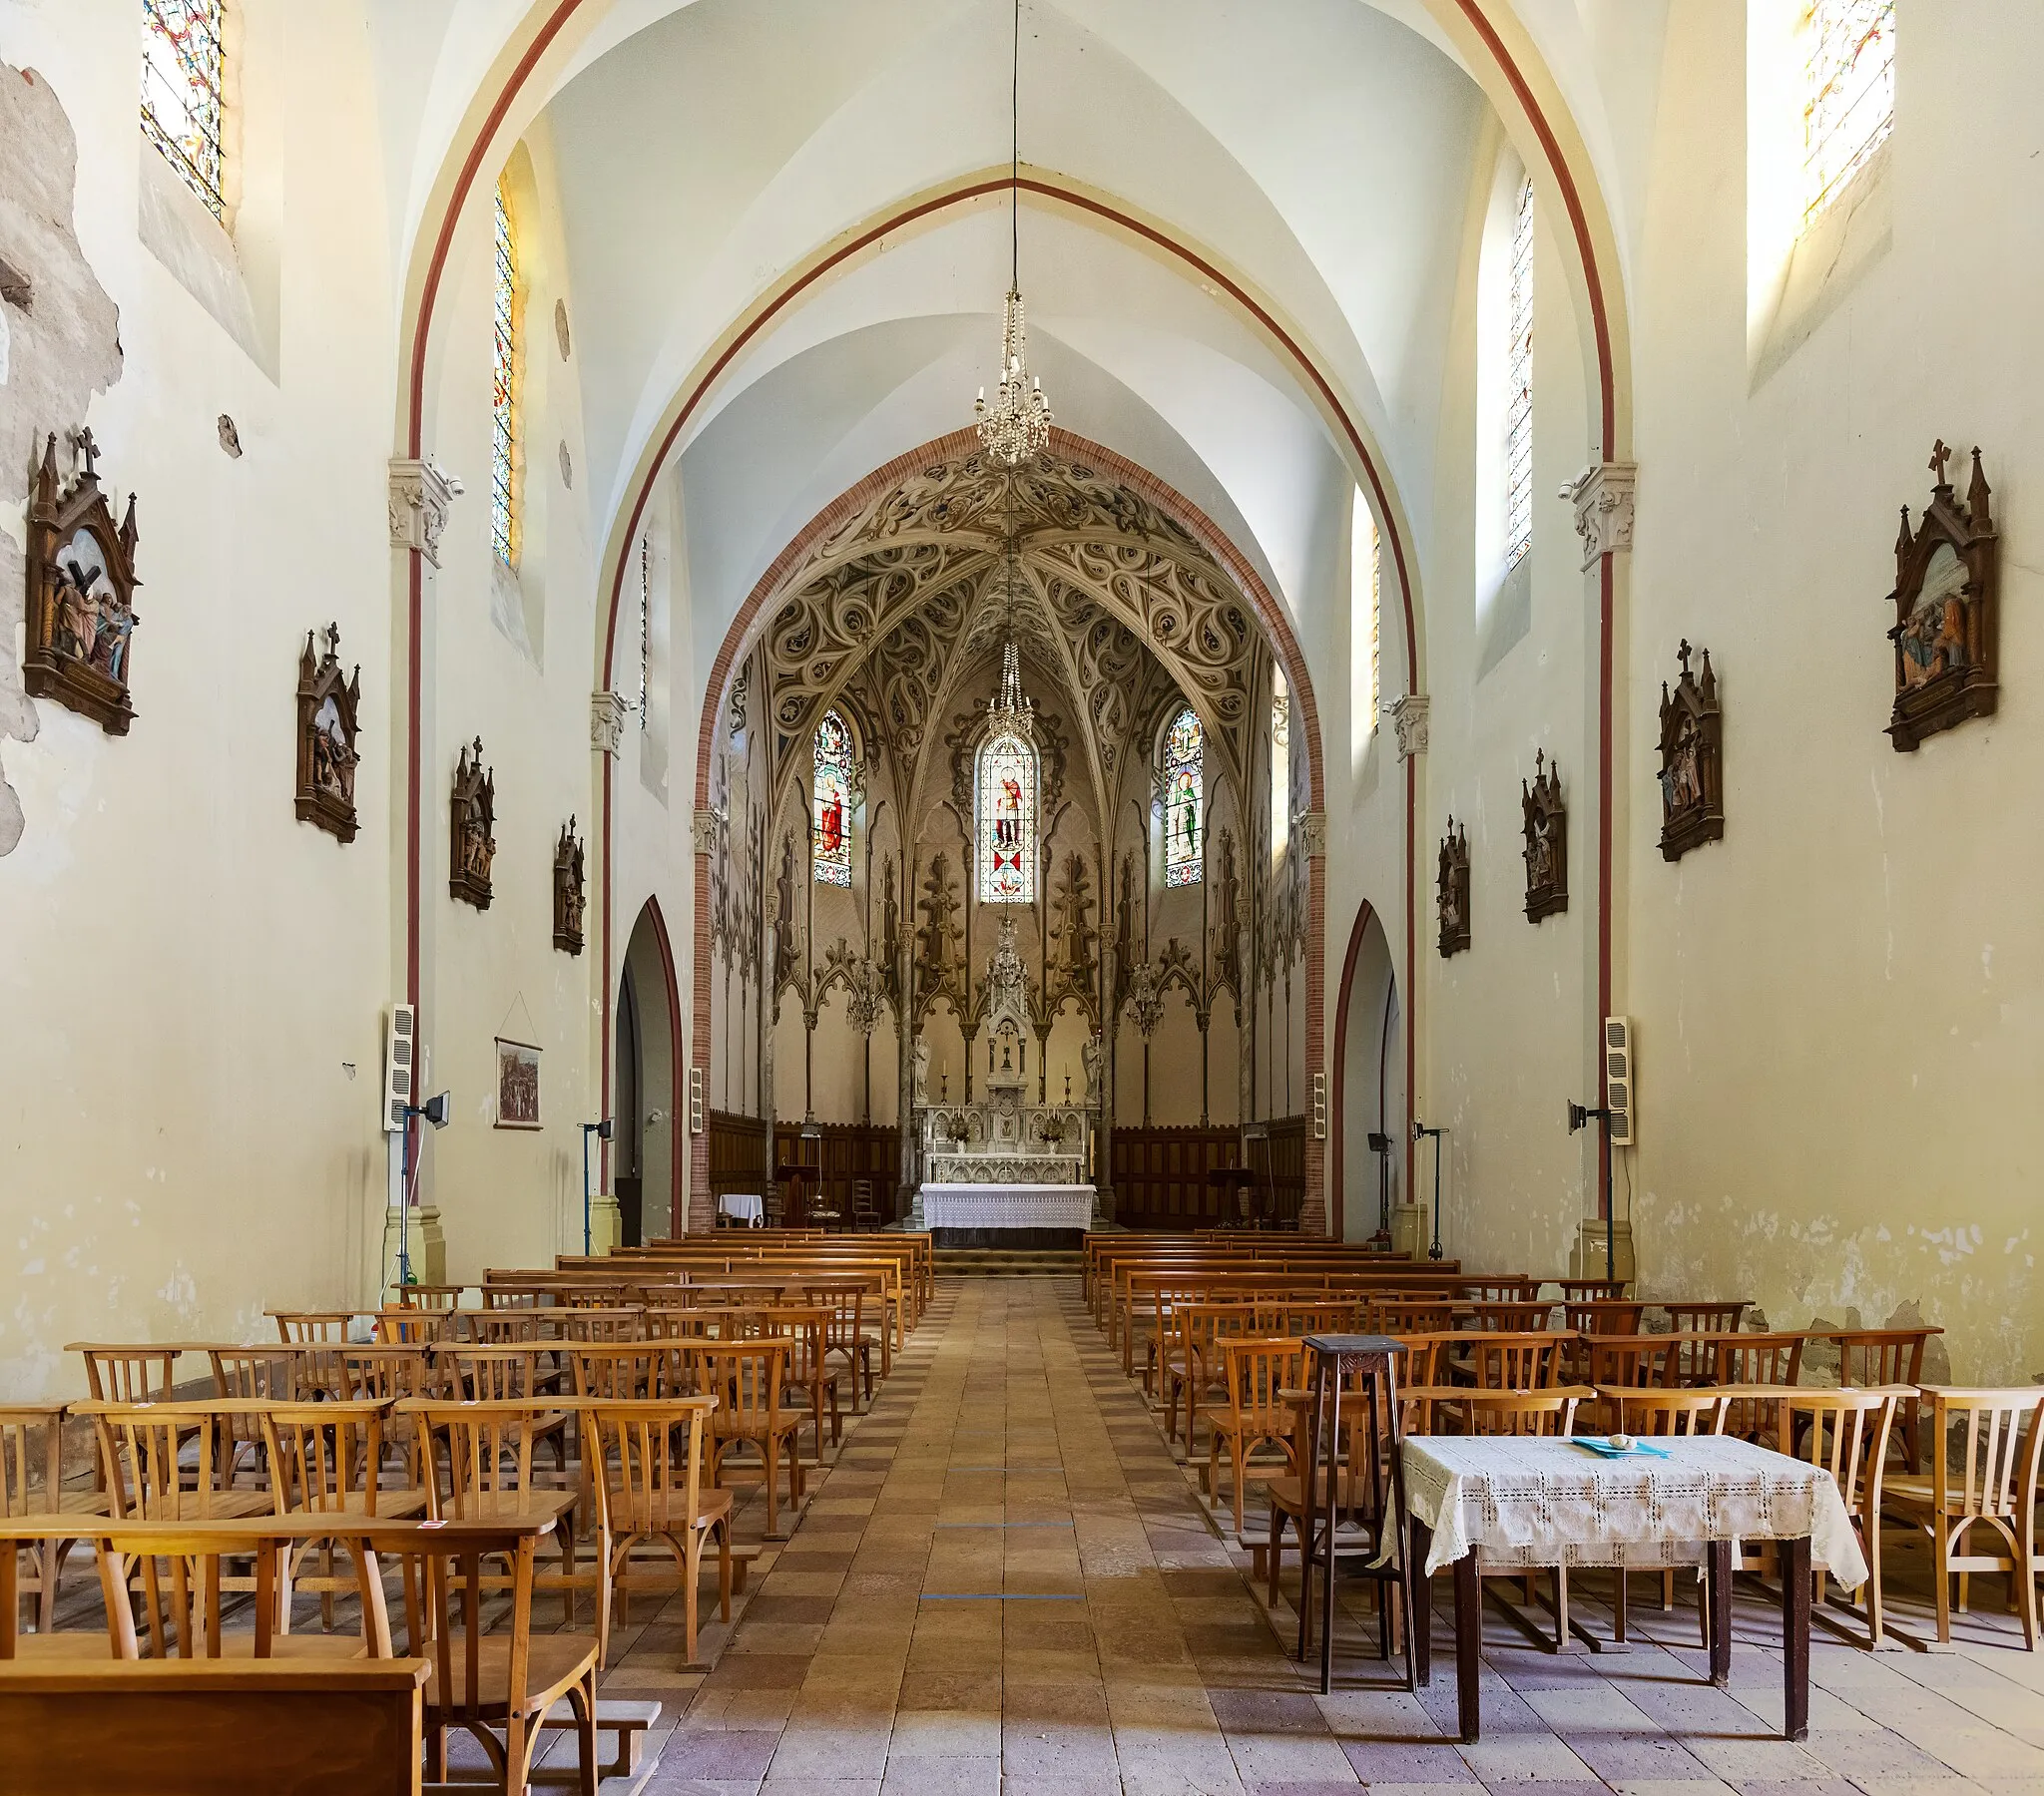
[(1007, 1206)]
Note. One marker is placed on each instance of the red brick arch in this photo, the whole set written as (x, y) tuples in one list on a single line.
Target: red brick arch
[(1269, 613)]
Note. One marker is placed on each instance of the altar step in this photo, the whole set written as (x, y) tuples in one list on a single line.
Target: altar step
[(1005, 1262)]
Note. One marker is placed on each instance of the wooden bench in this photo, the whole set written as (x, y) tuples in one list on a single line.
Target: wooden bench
[(198, 1727)]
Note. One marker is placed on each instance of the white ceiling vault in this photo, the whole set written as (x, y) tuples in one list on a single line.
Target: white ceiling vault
[(705, 153)]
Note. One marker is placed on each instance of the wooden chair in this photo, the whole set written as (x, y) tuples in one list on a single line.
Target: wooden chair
[(1631, 1361), (1580, 1290), (1742, 1361), (612, 1323), (631, 1372), (32, 1483), (1503, 1290), (313, 1325), (1845, 1432), (1602, 1316), (1984, 1447), (326, 1459), (1658, 1410), (118, 1374), (1510, 1362), (1411, 1315), (432, 1296), (184, 1584), (745, 1378), (1259, 1375), (650, 1459), (808, 1381), (410, 1327), (843, 1303), (508, 1374), (1870, 1357), (490, 1673), (485, 1474), (1689, 1317), (865, 1212), (497, 1327), (1191, 1366), (1512, 1318)]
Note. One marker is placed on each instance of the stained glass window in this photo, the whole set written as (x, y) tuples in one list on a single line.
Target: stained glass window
[(1183, 799), (645, 621), (184, 69), (1519, 387), (1366, 602), (504, 400), (830, 839), (1007, 821), (1848, 105), (1280, 764)]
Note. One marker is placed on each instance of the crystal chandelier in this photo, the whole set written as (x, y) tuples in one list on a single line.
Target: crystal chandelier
[(1016, 427)]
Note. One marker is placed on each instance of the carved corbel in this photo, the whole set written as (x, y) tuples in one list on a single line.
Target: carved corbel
[(421, 495), (1313, 833), (1408, 716), (607, 712), (1603, 497), (703, 828)]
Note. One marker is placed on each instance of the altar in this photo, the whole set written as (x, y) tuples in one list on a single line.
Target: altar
[(998, 1171)]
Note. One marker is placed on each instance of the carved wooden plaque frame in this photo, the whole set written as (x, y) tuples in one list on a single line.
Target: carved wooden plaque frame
[(81, 593), (472, 820), (327, 724), (1692, 760), (1547, 842), (1947, 605), (570, 892), (1452, 890)]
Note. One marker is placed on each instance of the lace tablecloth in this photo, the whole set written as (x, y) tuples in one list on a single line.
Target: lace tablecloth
[(1526, 1501), (742, 1207), (1007, 1206)]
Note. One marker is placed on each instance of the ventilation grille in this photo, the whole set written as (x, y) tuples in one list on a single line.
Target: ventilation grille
[(398, 1051), (1619, 1096)]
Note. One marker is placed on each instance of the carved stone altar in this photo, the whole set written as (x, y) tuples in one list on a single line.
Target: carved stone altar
[(1001, 1142)]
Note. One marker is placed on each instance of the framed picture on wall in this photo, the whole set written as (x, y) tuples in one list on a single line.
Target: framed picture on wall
[(517, 1084)]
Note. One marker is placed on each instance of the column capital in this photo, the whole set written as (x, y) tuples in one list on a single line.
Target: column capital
[(1603, 497), (1313, 833), (607, 713), (421, 495), (703, 828), (1410, 717)]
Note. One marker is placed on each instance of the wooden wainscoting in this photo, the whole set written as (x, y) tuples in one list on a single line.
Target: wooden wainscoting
[(738, 1153), (1159, 1176), (840, 1153)]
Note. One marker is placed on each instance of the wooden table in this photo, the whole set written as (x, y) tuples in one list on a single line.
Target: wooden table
[(1516, 1502)]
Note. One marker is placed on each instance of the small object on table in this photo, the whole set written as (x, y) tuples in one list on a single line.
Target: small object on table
[(1373, 1359), (1518, 1501)]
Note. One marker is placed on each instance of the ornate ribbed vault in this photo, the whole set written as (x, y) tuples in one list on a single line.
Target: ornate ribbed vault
[(904, 606)]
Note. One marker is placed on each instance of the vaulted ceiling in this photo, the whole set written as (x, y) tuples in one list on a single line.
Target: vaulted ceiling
[(905, 605)]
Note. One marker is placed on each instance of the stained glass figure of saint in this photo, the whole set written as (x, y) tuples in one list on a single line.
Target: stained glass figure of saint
[(1184, 793), (1007, 822), (830, 839)]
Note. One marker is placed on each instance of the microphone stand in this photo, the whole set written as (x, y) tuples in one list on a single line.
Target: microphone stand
[(1579, 1115), (1419, 1132)]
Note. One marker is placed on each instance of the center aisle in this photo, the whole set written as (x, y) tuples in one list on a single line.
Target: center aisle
[(1006, 1576)]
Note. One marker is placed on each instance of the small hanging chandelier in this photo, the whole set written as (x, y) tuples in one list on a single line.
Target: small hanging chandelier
[(1010, 714), (1016, 427)]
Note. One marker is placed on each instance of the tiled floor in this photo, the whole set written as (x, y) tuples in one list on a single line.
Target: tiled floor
[(1008, 1584)]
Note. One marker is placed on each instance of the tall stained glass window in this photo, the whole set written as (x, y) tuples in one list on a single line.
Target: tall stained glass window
[(645, 622), (1519, 385), (830, 838), (504, 396), (1184, 797), (1007, 821), (1848, 103), (184, 72), (1280, 764)]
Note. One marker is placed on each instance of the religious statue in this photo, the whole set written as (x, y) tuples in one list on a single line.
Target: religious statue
[(472, 814), (1452, 890), (1089, 1058), (920, 1089), (786, 947)]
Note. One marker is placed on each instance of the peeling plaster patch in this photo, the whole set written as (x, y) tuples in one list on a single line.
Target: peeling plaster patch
[(65, 348)]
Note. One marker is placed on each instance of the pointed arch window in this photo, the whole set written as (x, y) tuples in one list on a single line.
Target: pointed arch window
[(1848, 93), (504, 392), (1280, 764), (1519, 387), (830, 838), (1185, 800), (184, 77), (1007, 821)]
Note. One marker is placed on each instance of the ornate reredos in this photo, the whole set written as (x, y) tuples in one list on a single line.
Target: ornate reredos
[(900, 607)]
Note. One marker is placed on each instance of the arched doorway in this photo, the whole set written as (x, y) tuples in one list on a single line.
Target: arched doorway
[(1368, 1175), (646, 1167)]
